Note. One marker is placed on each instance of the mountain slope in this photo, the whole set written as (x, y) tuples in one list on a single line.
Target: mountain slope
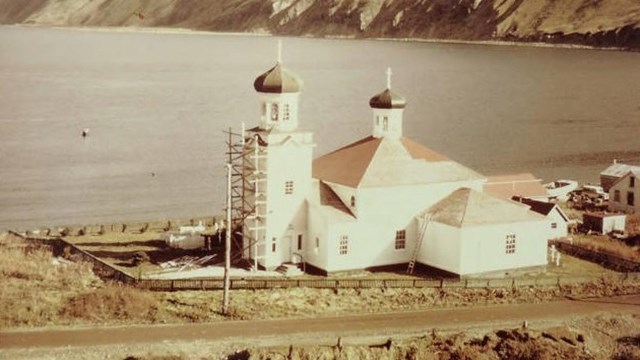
[(590, 22)]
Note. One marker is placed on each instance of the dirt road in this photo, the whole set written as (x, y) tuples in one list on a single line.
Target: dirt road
[(320, 330)]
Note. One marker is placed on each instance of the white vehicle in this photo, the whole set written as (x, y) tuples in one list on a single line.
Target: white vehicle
[(594, 191)]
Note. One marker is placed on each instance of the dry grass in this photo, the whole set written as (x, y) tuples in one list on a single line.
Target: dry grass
[(35, 286), (113, 303), (608, 245), (38, 289)]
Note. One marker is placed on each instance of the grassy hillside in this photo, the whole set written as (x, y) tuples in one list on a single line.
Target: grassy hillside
[(591, 22)]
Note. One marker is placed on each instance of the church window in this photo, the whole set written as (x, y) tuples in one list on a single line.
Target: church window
[(285, 112), (274, 112), (353, 201), (264, 109), (630, 198), (317, 243), (401, 239), (377, 120), (343, 246), (299, 241), (385, 123), (511, 244), (554, 225), (273, 245), (632, 181), (616, 195), (288, 187)]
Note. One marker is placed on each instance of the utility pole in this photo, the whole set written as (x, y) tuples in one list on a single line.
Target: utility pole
[(227, 246)]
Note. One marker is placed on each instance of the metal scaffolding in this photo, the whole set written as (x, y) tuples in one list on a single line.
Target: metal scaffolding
[(247, 155)]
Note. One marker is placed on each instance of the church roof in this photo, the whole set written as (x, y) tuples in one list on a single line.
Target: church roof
[(277, 80), (378, 162), (323, 199), (467, 207), (507, 186), (387, 100)]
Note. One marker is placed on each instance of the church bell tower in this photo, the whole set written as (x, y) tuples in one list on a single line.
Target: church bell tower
[(277, 172)]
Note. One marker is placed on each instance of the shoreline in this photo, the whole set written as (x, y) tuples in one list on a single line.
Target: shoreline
[(188, 31)]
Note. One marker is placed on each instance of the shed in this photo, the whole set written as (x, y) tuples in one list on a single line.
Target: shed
[(604, 223)]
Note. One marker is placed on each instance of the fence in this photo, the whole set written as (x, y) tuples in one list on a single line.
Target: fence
[(108, 272), (608, 261), (257, 284)]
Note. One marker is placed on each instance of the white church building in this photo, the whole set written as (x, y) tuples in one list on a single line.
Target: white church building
[(381, 200)]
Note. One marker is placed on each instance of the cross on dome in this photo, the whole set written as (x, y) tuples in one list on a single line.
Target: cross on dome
[(279, 59), (389, 73)]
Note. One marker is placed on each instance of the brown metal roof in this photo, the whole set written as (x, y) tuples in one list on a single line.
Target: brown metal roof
[(348, 164), (379, 162), (508, 186), (277, 80)]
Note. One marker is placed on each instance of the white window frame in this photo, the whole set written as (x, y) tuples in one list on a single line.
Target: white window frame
[(510, 244), (343, 245), (288, 187), (274, 111), (401, 240)]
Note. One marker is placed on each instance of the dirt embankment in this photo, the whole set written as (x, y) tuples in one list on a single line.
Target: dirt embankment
[(601, 23), (584, 339)]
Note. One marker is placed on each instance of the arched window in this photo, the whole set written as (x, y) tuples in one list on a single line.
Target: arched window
[(274, 112), (353, 201)]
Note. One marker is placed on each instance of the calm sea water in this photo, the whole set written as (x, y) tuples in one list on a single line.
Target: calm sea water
[(158, 104)]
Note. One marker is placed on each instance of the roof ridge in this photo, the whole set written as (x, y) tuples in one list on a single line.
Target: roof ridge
[(350, 145), (370, 161), (466, 204)]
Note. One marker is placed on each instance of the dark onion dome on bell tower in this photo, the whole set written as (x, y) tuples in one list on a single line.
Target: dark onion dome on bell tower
[(277, 80), (388, 100)]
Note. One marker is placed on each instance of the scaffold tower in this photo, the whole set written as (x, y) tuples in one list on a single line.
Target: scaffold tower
[(247, 154)]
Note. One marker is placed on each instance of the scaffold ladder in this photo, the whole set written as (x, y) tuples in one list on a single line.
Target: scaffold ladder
[(416, 251)]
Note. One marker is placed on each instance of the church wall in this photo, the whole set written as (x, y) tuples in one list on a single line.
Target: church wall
[(441, 247), (317, 228), (484, 248), (395, 206)]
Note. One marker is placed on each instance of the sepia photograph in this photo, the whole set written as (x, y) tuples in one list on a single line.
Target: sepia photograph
[(320, 179)]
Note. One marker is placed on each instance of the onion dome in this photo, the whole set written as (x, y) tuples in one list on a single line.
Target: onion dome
[(277, 80), (387, 100)]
